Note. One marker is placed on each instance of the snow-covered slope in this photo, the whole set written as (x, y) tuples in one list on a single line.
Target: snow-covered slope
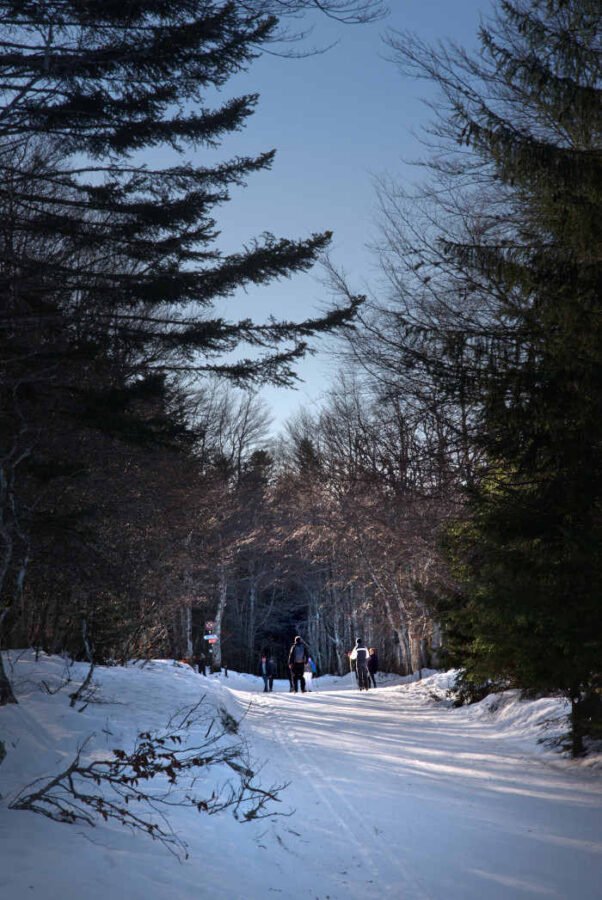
[(391, 793)]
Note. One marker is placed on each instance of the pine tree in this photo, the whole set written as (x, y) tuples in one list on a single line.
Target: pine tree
[(538, 570), (510, 316), (109, 263), (103, 83)]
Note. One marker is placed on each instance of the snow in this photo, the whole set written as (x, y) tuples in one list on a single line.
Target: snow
[(392, 793)]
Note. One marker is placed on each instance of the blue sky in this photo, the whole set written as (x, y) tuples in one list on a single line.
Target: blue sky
[(336, 120)]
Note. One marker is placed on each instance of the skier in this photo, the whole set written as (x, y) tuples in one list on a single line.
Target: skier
[(360, 655), (297, 658)]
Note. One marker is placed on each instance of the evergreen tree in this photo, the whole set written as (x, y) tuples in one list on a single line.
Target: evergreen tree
[(530, 110), (104, 82), (109, 267)]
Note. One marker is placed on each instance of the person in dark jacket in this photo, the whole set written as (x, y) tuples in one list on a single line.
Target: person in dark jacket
[(360, 655), (267, 670), (373, 664), (297, 658), (201, 661)]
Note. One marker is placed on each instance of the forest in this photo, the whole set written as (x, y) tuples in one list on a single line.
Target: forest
[(444, 502)]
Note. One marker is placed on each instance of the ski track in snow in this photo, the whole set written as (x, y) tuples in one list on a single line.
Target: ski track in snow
[(343, 817), (362, 840), (482, 789), (390, 796)]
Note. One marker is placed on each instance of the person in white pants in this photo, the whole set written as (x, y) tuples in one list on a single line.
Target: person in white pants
[(308, 675)]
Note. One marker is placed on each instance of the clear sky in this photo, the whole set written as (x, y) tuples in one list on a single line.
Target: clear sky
[(336, 120)]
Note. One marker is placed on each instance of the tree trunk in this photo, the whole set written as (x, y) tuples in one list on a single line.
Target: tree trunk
[(417, 655), (251, 621), (188, 632), (405, 650), (436, 644), (222, 596), (577, 745), (79, 693), (397, 631), (6, 690)]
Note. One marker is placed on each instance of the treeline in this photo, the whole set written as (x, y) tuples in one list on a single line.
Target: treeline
[(331, 532), (110, 270), (491, 321), (445, 501), (346, 516)]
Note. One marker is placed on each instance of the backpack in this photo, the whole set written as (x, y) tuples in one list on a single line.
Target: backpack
[(298, 653), (362, 656)]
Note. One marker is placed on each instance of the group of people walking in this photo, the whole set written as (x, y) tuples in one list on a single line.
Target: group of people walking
[(302, 668)]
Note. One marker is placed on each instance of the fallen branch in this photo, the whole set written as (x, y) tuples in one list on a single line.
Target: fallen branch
[(116, 788)]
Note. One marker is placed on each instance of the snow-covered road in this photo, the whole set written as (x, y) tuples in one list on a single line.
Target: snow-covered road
[(397, 797), (392, 794)]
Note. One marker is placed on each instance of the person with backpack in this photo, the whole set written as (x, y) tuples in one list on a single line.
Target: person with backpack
[(360, 655), (373, 664), (297, 658)]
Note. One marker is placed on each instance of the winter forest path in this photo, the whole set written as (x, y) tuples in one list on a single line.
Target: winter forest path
[(395, 796)]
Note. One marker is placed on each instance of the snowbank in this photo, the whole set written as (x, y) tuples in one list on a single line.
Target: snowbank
[(391, 792)]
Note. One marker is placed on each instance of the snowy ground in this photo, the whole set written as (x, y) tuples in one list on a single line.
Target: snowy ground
[(392, 794)]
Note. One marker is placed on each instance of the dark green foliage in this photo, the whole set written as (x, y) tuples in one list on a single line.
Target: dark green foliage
[(468, 690), (534, 560), (524, 343), (108, 264), (109, 272)]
